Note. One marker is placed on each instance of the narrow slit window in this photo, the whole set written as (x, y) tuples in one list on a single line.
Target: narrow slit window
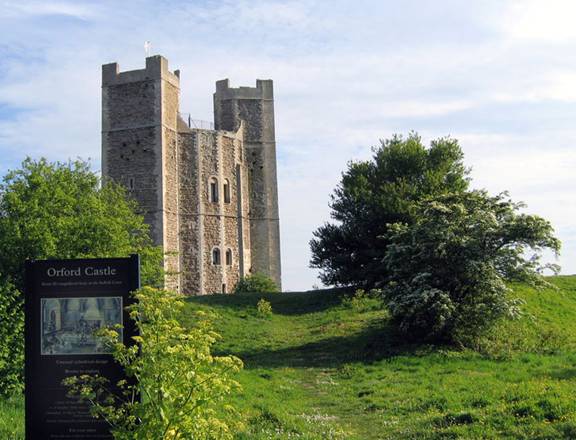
[(223, 288), (214, 190), (226, 191), (229, 257), (216, 257), (131, 183)]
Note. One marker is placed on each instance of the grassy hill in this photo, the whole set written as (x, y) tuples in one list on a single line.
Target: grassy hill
[(321, 367)]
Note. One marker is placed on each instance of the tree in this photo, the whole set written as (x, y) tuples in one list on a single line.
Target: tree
[(60, 210), (181, 384), (447, 270), (375, 193)]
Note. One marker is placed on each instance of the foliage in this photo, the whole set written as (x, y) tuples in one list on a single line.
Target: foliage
[(264, 308), (378, 192), (11, 340), (256, 283), (61, 210), (183, 386), (447, 271)]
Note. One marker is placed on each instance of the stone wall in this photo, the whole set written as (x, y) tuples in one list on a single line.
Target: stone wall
[(254, 107), (171, 185), (131, 142), (191, 258), (171, 209), (218, 154)]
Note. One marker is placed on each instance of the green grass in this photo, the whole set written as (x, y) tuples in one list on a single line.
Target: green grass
[(12, 418), (321, 367)]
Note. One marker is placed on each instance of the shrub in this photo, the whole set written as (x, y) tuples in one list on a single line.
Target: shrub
[(183, 386), (448, 270), (256, 283), (11, 339), (264, 308)]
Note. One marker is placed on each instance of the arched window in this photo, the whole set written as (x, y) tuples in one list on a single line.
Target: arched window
[(214, 190), (216, 256), (229, 257), (226, 191)]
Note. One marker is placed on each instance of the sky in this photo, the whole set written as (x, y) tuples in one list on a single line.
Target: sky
[(498, 75)]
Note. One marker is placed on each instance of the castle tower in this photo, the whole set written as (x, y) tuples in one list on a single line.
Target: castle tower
[(255, 107), (209, 195), (140, 147)]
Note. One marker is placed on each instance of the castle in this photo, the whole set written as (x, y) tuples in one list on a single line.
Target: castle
[(209, 195)]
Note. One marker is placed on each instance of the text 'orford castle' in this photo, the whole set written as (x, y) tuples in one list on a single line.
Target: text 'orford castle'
[(209, 196)]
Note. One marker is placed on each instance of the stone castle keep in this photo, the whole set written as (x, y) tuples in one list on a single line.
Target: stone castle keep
[(209, 196)]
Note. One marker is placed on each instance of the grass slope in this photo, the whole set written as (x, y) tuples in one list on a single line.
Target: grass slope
[(323, 368)]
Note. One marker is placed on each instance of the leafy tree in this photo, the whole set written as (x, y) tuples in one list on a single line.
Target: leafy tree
[(60, 210), (257, 283), (182, 385), (378, 192), (447, 270)]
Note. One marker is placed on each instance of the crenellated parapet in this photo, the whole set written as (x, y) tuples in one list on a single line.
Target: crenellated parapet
[(156, 68)]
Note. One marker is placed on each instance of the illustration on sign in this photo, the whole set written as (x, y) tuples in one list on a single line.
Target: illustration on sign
[(69, 325)]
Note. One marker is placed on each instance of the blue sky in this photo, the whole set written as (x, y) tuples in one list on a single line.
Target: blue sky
[(499, 76)]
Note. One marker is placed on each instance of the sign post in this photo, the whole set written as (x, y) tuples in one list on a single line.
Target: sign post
[(66, 302)]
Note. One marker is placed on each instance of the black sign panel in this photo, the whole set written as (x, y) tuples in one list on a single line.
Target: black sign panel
[(66, 302)]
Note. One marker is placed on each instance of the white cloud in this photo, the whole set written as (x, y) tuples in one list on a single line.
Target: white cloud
[(557, 86), (15, 9), (540, 21)]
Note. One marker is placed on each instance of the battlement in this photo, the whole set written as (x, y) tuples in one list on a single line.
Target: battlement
[(156, 68), (264, 90)]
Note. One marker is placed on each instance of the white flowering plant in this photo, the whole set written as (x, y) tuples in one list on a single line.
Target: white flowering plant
[(448, 270)]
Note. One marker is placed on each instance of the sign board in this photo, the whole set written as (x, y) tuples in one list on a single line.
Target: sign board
[(66, 302)]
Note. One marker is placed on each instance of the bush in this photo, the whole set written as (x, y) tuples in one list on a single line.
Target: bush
[(11, 339), (183, 386), (264, 308), (256, 283), (448, 270)]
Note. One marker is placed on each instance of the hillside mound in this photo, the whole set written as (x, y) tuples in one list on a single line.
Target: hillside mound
[(322, 366)]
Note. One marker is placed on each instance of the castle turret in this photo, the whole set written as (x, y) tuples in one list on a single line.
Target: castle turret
[(140, 148), (255, 106)]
